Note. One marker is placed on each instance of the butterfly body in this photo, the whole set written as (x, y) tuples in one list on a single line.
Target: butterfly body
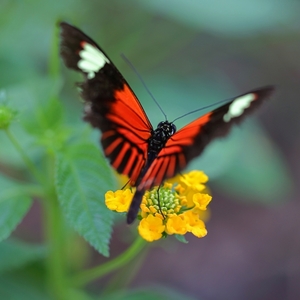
[(147, 156), (157, 142), (160, 136)]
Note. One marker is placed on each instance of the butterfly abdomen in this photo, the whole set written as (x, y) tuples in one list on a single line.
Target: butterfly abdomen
[(135, 206)]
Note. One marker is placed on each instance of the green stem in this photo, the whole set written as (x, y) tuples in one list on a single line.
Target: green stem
[(87, 276), (55, 236), (34, 191), (25, 158), (56, 259), (53, 66), (122, 278)]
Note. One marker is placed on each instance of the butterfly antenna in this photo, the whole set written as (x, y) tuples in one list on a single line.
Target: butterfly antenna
[(143, 82), (123, 187), (202, 108), (159, 207)]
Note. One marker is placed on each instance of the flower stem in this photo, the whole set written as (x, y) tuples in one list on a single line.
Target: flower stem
[(53, 67), (89, 275), (54, 234), (25, 158)]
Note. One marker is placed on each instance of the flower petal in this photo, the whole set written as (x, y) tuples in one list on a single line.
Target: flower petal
[(151, 228), (201, 200), (176, 225), (194, 180), (194, 224), (118, 201)]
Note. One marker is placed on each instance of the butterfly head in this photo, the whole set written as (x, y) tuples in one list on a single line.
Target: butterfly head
[(164, 131)]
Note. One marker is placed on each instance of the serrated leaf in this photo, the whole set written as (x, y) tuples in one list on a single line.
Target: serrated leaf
[(14, 204), (82, 178), (15, 254)]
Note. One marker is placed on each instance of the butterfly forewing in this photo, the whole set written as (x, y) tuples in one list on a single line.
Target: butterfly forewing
[(110, 104), (190, 141)]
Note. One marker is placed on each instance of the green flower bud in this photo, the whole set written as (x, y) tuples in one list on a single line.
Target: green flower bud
[(6, 116)]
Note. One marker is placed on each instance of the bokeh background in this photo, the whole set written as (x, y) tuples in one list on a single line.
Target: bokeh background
[(192, 53)]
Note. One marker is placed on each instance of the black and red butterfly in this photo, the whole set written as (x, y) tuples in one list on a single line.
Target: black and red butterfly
[(134, 148)]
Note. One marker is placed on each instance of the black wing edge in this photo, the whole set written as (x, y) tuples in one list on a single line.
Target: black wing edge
[(216, 127), (71, 37)]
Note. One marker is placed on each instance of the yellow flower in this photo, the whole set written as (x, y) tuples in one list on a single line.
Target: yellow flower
[(176, 225), (201, 201), (119, 200), (151, 228), (177, 207), (194, 180), (194, 225), (191, 183)]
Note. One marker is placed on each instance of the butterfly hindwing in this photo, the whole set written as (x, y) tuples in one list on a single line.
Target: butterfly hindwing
[(189, 142), (110, 104), (195, 136)]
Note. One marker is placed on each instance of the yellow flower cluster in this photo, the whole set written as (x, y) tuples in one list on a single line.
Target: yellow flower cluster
[(177, 207)]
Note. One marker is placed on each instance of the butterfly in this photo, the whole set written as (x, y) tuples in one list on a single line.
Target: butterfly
[(134, 148)]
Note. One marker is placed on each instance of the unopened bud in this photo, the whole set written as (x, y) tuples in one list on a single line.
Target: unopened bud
[(6, 116)]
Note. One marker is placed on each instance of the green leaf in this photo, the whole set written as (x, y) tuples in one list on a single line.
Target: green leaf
[(82, 178), (15, 254), (37, 103), (181, 238), (22, 286), (80, 295), (8, 153), (47, 116), (41, 115), (14, 204)]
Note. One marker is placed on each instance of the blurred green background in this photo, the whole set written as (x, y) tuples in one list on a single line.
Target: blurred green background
[(191, 54)]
